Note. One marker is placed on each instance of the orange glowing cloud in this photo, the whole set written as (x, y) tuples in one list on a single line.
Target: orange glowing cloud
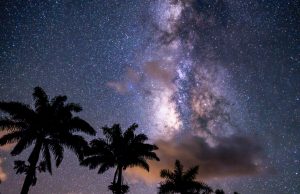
[(232, 156), (3, 175)]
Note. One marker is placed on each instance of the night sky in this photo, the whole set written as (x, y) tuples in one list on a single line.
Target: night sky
[(214, 83)]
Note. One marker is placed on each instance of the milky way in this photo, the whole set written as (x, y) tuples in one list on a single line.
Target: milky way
[(187, 93), (213, 83)]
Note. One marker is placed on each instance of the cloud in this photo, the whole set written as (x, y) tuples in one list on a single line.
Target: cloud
[(156, 71), (6, 148), (118, 86), (232, 156), (132, 75), (160, 71), (3, 175), (131, 78)]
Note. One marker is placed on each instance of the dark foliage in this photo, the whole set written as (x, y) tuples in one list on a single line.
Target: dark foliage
[(120, 150), (219, 191), (183, 182), (50, 127)]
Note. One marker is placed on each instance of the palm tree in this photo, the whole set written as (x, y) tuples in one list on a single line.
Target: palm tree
[(181, 182), (219, 191), (120, 150), (49, 127)]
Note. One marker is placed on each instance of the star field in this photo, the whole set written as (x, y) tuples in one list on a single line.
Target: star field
[(217, 71)]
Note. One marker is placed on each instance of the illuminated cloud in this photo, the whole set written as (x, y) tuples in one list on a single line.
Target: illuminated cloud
[(3, 175), (232, 156)]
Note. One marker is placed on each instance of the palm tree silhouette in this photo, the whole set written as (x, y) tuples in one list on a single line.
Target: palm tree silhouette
[(219, 191), (120, 150), (178, 181), (50, 128)]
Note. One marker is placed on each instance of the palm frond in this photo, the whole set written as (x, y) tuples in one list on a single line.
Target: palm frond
[(219, 191), (42, 167), (41, 98), (114, 187), (140, 162), (99, 142), (112, 133), (178, 181), (149, 155), (76, 143), (73, 107), (207, 189), (11, 137), (92, 162), (11, 125), (80, 125), (191, 173), (47, 157), (97, 146), (140, 138), (165, 173), (133, 127), (178, 168), (22, 144), (104, 167), (57, 151), (147, 147), (166, 187), (18, 111), (58, 101), (21, 167), (129, 133)]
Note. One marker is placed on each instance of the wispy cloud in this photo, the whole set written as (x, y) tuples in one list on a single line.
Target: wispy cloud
[(131, 78), (160, 71)]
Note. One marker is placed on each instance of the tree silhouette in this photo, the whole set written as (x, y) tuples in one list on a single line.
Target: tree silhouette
[(120, 150), (49, 127), (219, 191), (178, 181)]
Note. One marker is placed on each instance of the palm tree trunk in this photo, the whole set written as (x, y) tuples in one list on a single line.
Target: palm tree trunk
[(33, 159), (119, 183)]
